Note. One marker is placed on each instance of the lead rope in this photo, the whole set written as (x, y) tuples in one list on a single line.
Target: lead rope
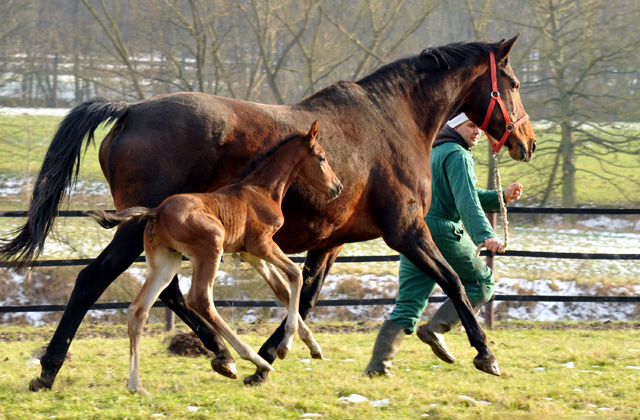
[(503, 206)]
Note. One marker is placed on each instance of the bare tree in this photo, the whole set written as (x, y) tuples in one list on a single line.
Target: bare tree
[(579, 79), (376, 29)]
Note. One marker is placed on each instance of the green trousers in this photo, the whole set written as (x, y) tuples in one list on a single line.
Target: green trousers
[(416, 287)]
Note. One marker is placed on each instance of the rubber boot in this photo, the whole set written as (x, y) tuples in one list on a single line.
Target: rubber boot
[(387, 343), (442, 322)]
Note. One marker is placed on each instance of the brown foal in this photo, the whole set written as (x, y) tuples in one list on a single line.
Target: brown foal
[(239, 218)]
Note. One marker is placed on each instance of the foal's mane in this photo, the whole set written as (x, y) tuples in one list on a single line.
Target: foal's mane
[(258, 159)]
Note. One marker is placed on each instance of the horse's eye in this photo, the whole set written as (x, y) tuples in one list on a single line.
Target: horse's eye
[(515, 85), (322, 159)]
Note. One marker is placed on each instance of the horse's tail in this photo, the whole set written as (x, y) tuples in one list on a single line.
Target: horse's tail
[(110, 220), (59, 173)]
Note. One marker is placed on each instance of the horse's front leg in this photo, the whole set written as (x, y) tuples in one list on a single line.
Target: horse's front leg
[(316, 267), (414, 241)]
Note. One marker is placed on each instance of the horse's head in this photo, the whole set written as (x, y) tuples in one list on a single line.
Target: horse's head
[(315, 167), (494, 104)]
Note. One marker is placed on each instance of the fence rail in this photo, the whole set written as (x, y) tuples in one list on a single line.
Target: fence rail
[(378, 258)]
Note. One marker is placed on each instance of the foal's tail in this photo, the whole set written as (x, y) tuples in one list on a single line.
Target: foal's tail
[(58, 174), (111, 220)]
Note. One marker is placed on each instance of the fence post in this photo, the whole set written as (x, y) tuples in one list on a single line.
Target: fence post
[(488, 307), (169, 320)]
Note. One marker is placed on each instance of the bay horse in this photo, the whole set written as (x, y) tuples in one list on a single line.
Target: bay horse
[(241, 217), (377, 130)]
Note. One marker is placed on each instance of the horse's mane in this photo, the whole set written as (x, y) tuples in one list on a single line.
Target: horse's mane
[(432, 59)]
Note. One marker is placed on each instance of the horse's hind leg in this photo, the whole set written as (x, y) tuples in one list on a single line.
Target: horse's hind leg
[(200, 299), (316, 267), (283, 294), (92, 281), (163, 266)]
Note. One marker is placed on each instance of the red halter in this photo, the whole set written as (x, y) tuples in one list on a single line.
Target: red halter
[(495, 97)]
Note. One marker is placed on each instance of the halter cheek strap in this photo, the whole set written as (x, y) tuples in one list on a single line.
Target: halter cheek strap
[(495, 97)]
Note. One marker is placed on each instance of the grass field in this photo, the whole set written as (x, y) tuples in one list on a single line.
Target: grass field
[(569, 371)]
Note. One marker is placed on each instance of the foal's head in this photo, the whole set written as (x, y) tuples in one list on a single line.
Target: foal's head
[(315, 166)]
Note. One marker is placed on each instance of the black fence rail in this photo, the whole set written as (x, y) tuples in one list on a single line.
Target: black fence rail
[(378, 258)]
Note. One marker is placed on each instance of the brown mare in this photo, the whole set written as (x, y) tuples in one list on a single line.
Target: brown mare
[(378, 132), (241, 217)]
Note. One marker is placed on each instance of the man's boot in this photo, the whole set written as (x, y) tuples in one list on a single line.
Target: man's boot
[(387, 343), (442, 322)]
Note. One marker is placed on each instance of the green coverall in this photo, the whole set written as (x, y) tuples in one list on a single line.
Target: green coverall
[(455, 201)]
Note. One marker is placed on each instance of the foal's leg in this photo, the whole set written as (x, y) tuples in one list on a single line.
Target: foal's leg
[(316, 267), (283, 294), (91, 282), (200, 298), (163, 266), (271, 253)]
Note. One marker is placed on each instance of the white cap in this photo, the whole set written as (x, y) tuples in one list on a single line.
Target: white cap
[(457, 120)]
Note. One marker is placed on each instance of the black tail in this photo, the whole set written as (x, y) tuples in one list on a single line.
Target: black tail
[(110, 220), (59, 172)]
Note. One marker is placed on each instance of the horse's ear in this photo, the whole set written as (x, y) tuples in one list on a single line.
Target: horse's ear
[(505, 48), (313, 132)]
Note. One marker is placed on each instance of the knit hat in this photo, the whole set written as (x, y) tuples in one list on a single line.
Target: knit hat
[(461, 118)]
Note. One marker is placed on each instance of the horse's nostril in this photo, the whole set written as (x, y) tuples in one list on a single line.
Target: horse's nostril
[(534, 146)]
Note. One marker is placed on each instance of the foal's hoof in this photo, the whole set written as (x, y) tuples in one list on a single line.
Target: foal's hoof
[(225, 368), (317, 355), (37, 385), (489, 365)]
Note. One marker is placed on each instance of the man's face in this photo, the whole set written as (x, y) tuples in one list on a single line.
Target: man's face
[(469, 132)]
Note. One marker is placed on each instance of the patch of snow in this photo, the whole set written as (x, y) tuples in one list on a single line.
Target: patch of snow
[(354, 399), (55, 112)]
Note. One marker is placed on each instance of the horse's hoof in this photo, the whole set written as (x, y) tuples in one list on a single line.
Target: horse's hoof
[(317, 355), (256, 379), (225, 368), (489, 365), (36, 385)]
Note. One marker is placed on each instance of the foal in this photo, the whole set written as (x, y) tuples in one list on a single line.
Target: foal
[(238, 218)]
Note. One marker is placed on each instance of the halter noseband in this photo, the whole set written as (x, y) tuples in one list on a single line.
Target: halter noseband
[(495, 97)]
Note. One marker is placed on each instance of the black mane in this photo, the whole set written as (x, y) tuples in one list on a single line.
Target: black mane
[(431, 59)]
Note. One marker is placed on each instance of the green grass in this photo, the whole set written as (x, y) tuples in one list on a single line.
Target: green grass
[(24, 140), (536, 382)]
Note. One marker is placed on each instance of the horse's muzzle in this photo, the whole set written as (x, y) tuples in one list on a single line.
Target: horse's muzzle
[(335, 191), (527, 155)]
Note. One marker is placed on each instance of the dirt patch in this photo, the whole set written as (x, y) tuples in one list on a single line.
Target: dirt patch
[(188, 344)]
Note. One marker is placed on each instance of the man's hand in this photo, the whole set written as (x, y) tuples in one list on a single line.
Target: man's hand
[(494, 245), (513, 192)]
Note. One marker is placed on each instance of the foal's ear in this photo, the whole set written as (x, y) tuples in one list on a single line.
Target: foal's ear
[(313, 132), (505, 48)]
